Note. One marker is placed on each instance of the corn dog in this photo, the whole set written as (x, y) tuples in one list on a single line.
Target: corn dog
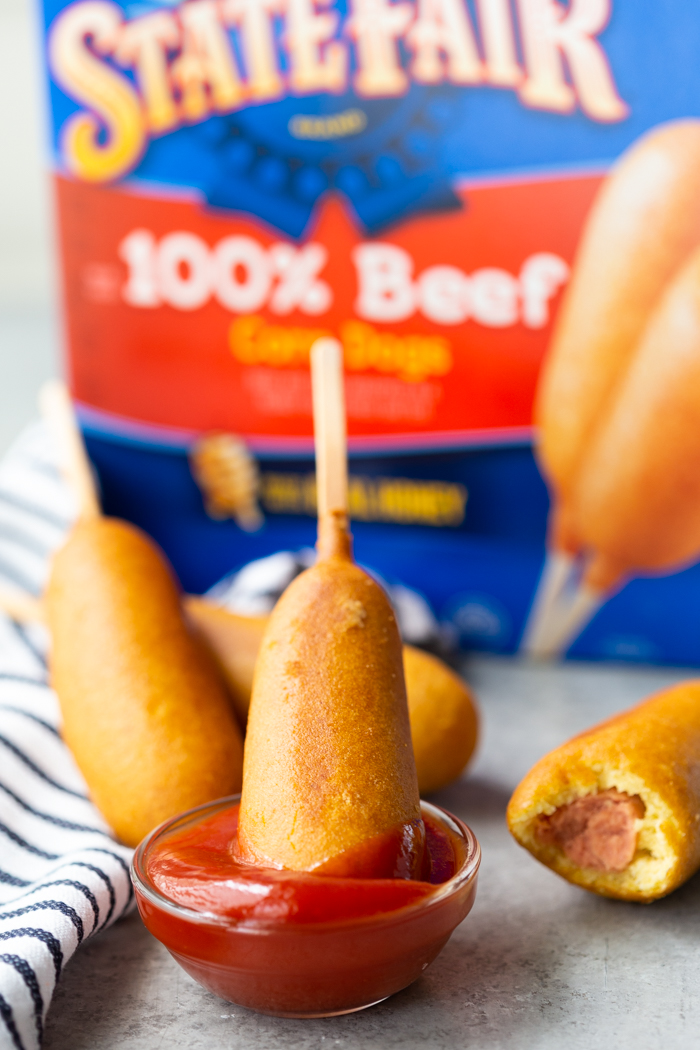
[(637, 500), (644, 223), (616, 810), (329, 779), (328, 760), (443, 718), (441, 709), (233, 642), (143, 711)]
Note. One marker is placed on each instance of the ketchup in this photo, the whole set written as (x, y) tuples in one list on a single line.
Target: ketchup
[(196, 867), (298, 944)]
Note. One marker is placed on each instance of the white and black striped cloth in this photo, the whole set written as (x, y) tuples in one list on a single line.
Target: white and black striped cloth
[(63, 878)]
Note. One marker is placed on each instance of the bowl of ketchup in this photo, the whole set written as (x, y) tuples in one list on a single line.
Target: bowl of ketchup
[(296, 944)]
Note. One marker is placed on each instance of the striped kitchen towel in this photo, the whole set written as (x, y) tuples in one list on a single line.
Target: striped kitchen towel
[(63, 878)]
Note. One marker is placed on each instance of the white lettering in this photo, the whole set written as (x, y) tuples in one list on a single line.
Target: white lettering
[(244, 276), (259, 51), (494, 297), (385, 288), (138, 251), (205, 71), (144, 44), (443, 29), (376, 26), (496, 25), (316, 64), (551, 32), (443, 294), (299, 286), (184, 271), (239, 291), (541, 277)]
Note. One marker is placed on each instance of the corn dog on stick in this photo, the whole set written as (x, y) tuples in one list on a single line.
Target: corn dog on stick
[(643, 224), (143, 709), (616, 810), (329, 777), (441, 708), (637, 500)]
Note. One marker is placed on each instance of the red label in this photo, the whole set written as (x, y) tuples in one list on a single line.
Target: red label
[(191, 319)]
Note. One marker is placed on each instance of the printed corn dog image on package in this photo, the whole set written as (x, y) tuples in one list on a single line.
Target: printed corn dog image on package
[(615, 810), (620, 394), (486, 202)]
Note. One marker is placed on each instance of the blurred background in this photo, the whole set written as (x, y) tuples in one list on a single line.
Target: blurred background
[(28, 331)]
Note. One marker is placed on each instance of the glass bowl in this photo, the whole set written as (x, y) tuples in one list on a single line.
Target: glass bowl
[(317, 969)]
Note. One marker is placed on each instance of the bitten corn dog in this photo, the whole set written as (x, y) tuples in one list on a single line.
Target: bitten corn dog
[(441, 709), (617, 809), (643, 225), (143, 710), (637, 500), (329, 782)]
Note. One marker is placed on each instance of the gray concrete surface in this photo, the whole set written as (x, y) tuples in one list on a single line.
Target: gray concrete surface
[(538, 964)]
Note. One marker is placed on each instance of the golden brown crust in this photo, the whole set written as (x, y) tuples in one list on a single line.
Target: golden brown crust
[(443, 717), (233, 642), (441, 708), (652, 751), (643, 224), (637, 499), (144, 712), (328, 757)]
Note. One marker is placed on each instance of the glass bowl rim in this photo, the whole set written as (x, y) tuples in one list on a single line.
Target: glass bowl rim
[(145, 887)]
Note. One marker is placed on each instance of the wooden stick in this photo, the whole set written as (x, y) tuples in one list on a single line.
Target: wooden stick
[(21, 606), (57, 409), (556, 573), (329, 427), (569, 620)]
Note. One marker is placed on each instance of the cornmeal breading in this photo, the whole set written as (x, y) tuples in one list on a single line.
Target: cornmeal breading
[(652, 753)]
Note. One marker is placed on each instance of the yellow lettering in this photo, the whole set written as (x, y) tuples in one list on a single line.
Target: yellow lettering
[(314, 67), (144, 44), (551, 32), (443, 29), (401, 500), (205, 71), (253, 342), (376, 25), (91, 82), (410, 357), (337, 126)]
